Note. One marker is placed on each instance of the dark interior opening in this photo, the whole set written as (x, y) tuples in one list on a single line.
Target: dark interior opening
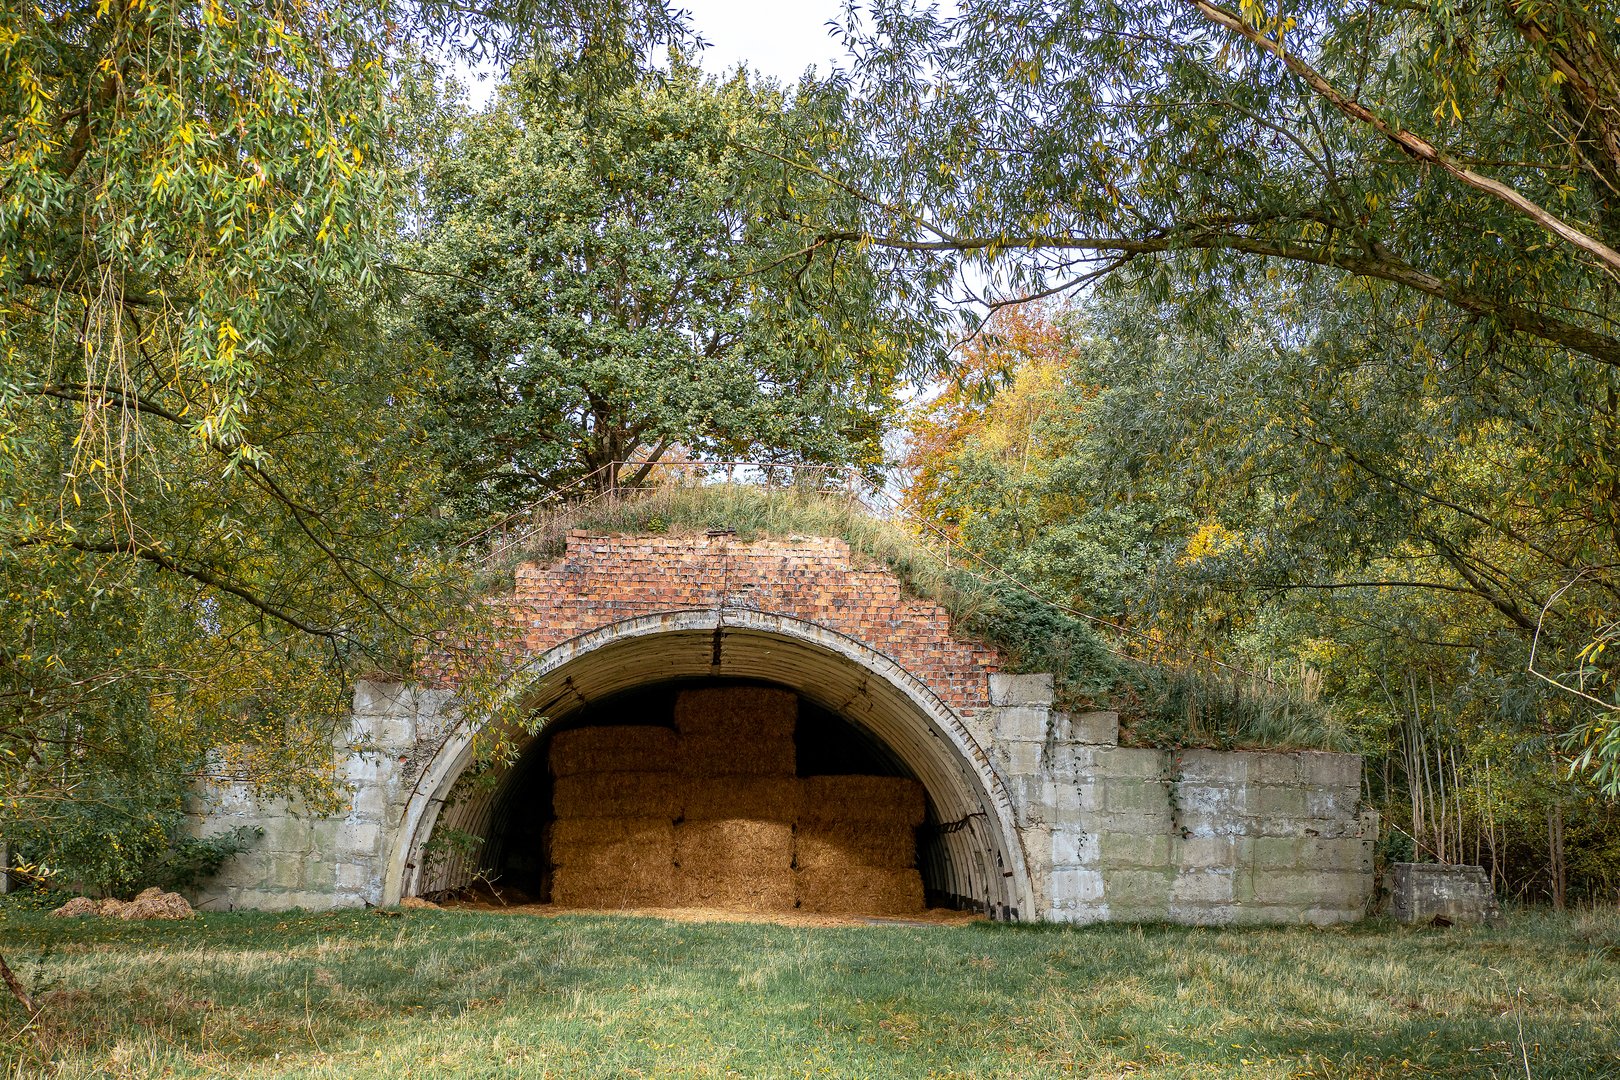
[(517, 846)]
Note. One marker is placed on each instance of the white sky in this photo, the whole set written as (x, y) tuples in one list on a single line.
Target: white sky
[(771, 37), (775, 38)]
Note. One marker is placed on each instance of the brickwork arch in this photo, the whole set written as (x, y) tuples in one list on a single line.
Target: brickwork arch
[(973, 853)]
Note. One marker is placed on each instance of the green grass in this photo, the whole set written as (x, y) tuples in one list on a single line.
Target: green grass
[(457, 994)]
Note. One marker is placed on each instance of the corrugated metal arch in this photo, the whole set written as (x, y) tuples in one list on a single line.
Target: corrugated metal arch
[(976, 857)]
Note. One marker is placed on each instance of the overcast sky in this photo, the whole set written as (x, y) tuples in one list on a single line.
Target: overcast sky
[(772, 38), (776, 39)]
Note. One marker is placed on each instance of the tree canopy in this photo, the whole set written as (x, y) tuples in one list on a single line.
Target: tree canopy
[(605, 279), (1399, 219), (214, 510)]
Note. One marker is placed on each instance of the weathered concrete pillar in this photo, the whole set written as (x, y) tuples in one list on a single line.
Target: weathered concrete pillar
[(328, 861)]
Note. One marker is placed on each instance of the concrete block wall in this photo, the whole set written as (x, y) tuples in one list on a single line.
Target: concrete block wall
[(316, 862), (1199, 836)]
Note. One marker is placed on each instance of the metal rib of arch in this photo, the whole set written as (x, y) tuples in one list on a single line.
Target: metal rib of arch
[(974, 855)]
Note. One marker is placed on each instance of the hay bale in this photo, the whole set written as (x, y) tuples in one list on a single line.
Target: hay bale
[(741, 755), (735, 863), (737, 711), (860, 890), (587, 832), (772, 891), (638, 884), (889, 800), (857, 843), (613, 856), (734, 845), (75, 908), (762, 798), (616, 794), (612, 749)]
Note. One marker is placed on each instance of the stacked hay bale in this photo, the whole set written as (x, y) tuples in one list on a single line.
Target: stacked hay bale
[(855, 847), (713, 815), (734, 845), (615, 801)]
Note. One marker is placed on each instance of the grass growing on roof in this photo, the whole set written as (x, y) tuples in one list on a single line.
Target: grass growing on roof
[(1160, 705), (465, 994)]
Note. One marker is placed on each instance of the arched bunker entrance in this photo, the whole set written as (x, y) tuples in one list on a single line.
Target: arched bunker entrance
[(859, 713)]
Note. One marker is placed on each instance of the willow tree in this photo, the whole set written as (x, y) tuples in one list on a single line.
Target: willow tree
[(1443, 178), (206, 480)]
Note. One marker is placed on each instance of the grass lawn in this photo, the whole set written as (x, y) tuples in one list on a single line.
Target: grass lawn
[(468, 994)]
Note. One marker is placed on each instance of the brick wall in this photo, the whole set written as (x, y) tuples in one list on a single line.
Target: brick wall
[(602, 580)]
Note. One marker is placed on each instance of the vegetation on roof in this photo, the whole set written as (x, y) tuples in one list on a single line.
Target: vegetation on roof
[(1165, 703)]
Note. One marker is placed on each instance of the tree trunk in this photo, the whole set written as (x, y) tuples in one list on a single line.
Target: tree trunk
[(16, 987), (1555, 852)]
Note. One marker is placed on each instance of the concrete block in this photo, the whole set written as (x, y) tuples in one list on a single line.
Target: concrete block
[(1422, 892), (250, 869), (1329, 769), (1020, 689), (1033, 798), (1209, 803), (1212, 767), (361, 838), (1349, 854), (1130, 763), (1301, 889), (1136, 795), (1071, 847), (1136, 823), (1275, 768), (1145, 894), (1068, 762), (369, 803), (1133, 851), (355, 876), (391, 732), (1202, 887), (1367, 824), (1018, 757), (1026, 722), (286, 875), (286, 836), (1074, 885), (1275, 803), (1204, 853), (319, 875), (1336, 804), (1275, 852), (375, 698), (1071, 799), (1099, 728)]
